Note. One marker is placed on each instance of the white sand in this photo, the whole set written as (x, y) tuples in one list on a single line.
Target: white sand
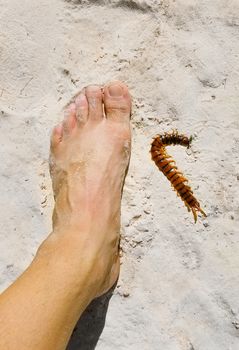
[(181, 62)]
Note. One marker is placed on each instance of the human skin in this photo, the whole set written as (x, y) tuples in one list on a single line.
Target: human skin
[(79, 260)]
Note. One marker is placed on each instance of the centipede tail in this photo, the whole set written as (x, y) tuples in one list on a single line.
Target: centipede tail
[(167, 165)]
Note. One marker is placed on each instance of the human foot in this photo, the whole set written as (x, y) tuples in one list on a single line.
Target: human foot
[(89, 156)]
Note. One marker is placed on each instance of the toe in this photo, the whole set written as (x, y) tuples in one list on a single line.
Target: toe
[(56, 136), (81, 108), (117, 101), (69, 122), (95, 102)]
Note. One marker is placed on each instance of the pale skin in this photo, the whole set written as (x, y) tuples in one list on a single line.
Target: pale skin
[(79, 260)]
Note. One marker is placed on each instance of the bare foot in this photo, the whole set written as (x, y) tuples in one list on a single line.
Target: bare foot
[(90, 153)]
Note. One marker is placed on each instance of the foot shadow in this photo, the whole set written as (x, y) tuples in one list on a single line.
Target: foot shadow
[(91, 324)]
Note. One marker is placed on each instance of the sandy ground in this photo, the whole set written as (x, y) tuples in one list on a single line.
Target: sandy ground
[(179, 286)]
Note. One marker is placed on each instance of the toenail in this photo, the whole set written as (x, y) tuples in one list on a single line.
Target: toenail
[(81, 99), (58, 129), (93, 88), (70, 109), (115, 90)]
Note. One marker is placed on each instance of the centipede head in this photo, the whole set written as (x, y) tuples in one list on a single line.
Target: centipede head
[(185, 141)]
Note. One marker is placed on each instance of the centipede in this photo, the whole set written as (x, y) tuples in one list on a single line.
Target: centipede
[(168, 167)]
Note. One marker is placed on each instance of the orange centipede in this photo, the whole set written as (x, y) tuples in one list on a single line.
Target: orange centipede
[(167, 165)]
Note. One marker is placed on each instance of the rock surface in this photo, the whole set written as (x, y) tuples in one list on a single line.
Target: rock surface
[(179, 284)]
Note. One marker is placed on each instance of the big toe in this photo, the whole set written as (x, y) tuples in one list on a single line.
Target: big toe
[(117, 101)]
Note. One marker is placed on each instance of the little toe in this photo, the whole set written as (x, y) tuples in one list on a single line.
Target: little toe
[(69, 121), (95, 102), (82, 109), (56, 136), (117, 101)]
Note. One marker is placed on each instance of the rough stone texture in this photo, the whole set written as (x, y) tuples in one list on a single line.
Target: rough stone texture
[(179, 284)]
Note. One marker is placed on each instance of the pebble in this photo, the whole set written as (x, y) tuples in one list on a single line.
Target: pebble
[(126, 294)]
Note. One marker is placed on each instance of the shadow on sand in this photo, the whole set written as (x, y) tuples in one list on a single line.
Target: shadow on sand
[(91, 324)]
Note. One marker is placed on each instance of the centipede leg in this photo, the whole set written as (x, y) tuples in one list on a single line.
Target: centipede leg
[(203, 213), (194, 215), (188, 207)]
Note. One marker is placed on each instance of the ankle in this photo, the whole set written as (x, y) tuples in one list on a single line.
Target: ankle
[(62, 253)]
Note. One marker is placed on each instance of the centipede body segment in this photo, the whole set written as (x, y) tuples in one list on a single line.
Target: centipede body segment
[(167, 165)]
